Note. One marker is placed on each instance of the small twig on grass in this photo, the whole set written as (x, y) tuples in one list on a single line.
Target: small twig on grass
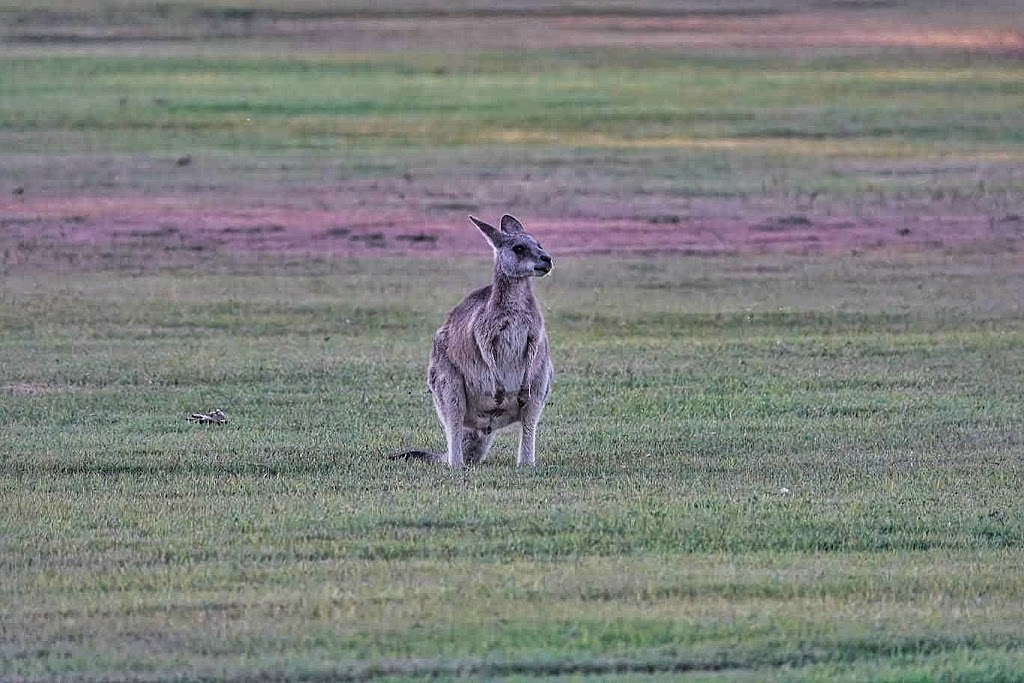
[(217, 416)]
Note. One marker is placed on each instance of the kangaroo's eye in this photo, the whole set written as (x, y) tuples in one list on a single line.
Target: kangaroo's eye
[(519, 250)]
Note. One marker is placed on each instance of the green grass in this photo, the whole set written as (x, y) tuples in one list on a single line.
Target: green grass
[(921, 123), (696, 125), (655, 536), (601, 97), (752, 468)]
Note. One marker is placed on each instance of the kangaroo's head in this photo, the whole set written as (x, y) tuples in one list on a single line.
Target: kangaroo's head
[(516, 253)]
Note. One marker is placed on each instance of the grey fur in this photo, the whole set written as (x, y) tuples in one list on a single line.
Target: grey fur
[(490, 365)]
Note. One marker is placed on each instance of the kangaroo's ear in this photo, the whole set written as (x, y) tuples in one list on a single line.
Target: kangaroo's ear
[(510, 224), (492, 234)]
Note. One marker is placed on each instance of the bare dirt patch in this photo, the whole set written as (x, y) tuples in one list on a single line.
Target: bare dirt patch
[(146, 232), (973, 27), (793, 30)]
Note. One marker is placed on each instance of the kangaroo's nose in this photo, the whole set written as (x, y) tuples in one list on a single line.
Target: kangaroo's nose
[(545, 258)]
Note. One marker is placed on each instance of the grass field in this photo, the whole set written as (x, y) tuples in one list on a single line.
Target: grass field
[(656, 533), (760, 462)]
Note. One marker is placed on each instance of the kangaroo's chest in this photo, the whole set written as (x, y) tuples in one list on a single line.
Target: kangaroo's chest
[(509, 342)]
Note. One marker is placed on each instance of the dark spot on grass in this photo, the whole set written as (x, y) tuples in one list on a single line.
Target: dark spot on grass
[(228, 13), (417, 237), (371, 239), (665, 219), (162, 231), (337, 232), (263, 229), (794, 220), (862, 4), (424, 523), (11, 222), (783, 223), (456, 206)]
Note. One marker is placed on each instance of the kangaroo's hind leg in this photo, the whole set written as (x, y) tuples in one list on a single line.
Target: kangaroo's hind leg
[(475, 445), (449, 393)]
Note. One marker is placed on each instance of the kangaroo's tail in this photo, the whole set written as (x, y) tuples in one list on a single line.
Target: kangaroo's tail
[(423, 456)]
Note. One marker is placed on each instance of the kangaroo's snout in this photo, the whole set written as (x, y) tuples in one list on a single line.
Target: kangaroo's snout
[(544, 267)]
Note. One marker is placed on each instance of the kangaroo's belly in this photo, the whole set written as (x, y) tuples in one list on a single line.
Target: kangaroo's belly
[(488, 415)]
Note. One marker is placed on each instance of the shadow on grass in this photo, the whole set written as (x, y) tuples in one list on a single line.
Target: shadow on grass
[(909, 651), (247, 468)]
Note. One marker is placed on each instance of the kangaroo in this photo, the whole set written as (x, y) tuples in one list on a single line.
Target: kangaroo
[(490, 366)]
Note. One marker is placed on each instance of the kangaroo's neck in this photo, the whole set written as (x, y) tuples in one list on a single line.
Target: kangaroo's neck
[(509, 292)]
